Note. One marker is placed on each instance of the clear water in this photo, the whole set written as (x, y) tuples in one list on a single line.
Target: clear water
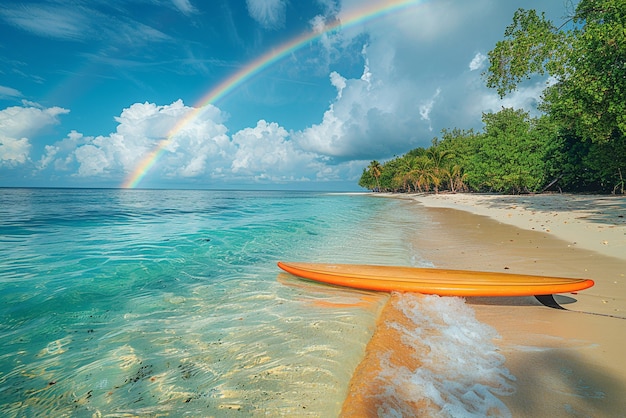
[(169, 303)]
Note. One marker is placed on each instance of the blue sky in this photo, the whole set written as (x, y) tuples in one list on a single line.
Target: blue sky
[(88, 88)]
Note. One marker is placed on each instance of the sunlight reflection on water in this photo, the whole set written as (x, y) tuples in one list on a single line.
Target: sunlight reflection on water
[(137, 301)]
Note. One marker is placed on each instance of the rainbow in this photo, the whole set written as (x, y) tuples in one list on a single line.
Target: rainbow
[(254, 67)]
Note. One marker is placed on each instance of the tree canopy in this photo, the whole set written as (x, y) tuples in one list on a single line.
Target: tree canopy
[(585, 58)]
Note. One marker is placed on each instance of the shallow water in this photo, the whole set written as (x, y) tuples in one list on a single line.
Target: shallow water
[(154, 302)]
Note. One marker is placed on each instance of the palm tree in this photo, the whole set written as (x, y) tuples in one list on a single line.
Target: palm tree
[(414, 171), (421, 173), (440, 171), (376, 170), (457, 179), (402, 169)]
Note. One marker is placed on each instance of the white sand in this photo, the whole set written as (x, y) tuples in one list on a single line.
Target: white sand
[(596, 223), (566, 363)]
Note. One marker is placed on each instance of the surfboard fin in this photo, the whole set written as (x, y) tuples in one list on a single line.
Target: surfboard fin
[(549, 301)]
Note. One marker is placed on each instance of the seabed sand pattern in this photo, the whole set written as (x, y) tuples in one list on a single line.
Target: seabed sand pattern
[(562, 363)]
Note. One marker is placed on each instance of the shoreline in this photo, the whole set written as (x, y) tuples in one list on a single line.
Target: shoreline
[(592, 222), (565, 362)]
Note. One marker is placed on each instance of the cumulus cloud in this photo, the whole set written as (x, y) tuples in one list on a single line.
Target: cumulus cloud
[(369, 118), (269, 13), (266, 153), (17, 125), (318, 25), (477, 62), (415, 79), (196, 146), (338, 82), (142, 127), (17, 121), (93, 160), (60, 155), (13, 151)]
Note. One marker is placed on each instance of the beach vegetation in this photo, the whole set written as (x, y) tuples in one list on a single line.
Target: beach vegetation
[(375, 169), (585, 57), (514, 153), (510, 157), (576, 144)]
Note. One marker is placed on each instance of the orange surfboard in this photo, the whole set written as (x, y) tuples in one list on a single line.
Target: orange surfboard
[(441, 282)]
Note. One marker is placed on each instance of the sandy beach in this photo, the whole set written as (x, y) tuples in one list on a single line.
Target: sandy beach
[(564, 362)]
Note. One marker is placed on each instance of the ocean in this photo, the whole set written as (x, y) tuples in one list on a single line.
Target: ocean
[(169, 303)]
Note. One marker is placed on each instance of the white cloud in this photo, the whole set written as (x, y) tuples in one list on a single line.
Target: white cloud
[(269, 13), (370, 118), (184, 6), (13, 151), (20, 121), (61, 153), (477, 62), (427, 107), (18, 125), (525, 97), (196, 137), (93, 160), (28, 103), (48, 20), (367, 75), (48, 157), (391, 107), (9, 92), (266, 153), (338, 82), (199, 148), (81, 23), (318, 25), (415, 80)]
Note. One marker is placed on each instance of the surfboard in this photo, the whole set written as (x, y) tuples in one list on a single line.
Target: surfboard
[(441, 282)]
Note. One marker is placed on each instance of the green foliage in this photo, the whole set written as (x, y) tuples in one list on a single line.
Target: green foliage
[(587, 62), (579, 144), (420, 170), (530, 43), (367, 181), (510, 157), (513, 154), (603, 166)]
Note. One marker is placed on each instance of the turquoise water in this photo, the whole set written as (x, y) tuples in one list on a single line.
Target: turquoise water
[(120, 302), (169, 303)]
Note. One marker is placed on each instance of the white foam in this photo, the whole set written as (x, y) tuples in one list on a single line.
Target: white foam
[(461, 370)]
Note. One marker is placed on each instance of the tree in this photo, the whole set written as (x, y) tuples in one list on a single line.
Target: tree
[(421, 173), (367, 181), (375, 170), (587, 63), (402, 175), (511, 155), (439, 171), (456, 181)]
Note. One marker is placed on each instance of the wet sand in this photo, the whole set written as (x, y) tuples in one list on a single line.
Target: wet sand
[(565, 362)]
